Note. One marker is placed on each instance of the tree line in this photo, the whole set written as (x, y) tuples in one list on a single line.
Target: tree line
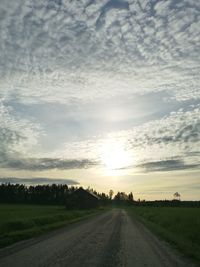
[(39, 194), (55, 194)]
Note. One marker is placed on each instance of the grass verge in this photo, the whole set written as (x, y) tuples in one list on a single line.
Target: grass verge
[(19, 222), (178, 226)]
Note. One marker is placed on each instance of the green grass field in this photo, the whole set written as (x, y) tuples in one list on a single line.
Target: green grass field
[(179, 226), (18, 222)]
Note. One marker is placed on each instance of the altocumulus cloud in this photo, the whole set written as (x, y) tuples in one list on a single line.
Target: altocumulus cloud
[(181, 128), (16, 135), (78, 52), (173, 136), (77, 44)]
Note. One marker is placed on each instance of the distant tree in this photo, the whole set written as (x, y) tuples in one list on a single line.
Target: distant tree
[(120, 198), (177, 196), (111, 192), (130, 197)]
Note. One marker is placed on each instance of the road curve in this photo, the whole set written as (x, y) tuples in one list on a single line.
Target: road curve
[(111, 239)]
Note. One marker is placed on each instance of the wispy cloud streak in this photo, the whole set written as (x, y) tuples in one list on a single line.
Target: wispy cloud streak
[(38, 180)]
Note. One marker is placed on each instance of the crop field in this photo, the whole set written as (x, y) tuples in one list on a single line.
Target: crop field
[(18, 222), (178, 225)]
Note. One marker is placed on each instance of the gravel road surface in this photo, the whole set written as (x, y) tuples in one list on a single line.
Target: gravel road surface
[(111, 239)]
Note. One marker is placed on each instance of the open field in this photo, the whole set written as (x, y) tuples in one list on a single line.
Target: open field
[(179, 226), (19, 222)]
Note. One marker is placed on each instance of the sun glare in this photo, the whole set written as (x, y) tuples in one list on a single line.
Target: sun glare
[(114, 155)]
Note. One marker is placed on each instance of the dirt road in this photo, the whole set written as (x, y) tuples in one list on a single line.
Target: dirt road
[(110, 239)]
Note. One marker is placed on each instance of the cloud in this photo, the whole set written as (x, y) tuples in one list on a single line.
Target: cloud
[(37, 180), (84, 55), (181, 127), (42, 164), (173, 136), (85, 50), (167, 165), (17, 136)]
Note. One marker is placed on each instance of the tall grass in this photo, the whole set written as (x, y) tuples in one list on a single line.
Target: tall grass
[(179, 226), (19, 222)]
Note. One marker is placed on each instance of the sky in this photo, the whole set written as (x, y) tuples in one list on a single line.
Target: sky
[(102, 94)]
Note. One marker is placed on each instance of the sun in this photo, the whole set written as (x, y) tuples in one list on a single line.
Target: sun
[(114, 155)]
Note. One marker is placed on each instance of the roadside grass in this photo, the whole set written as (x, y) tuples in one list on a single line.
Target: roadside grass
[(19, 222), (178, 226)]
